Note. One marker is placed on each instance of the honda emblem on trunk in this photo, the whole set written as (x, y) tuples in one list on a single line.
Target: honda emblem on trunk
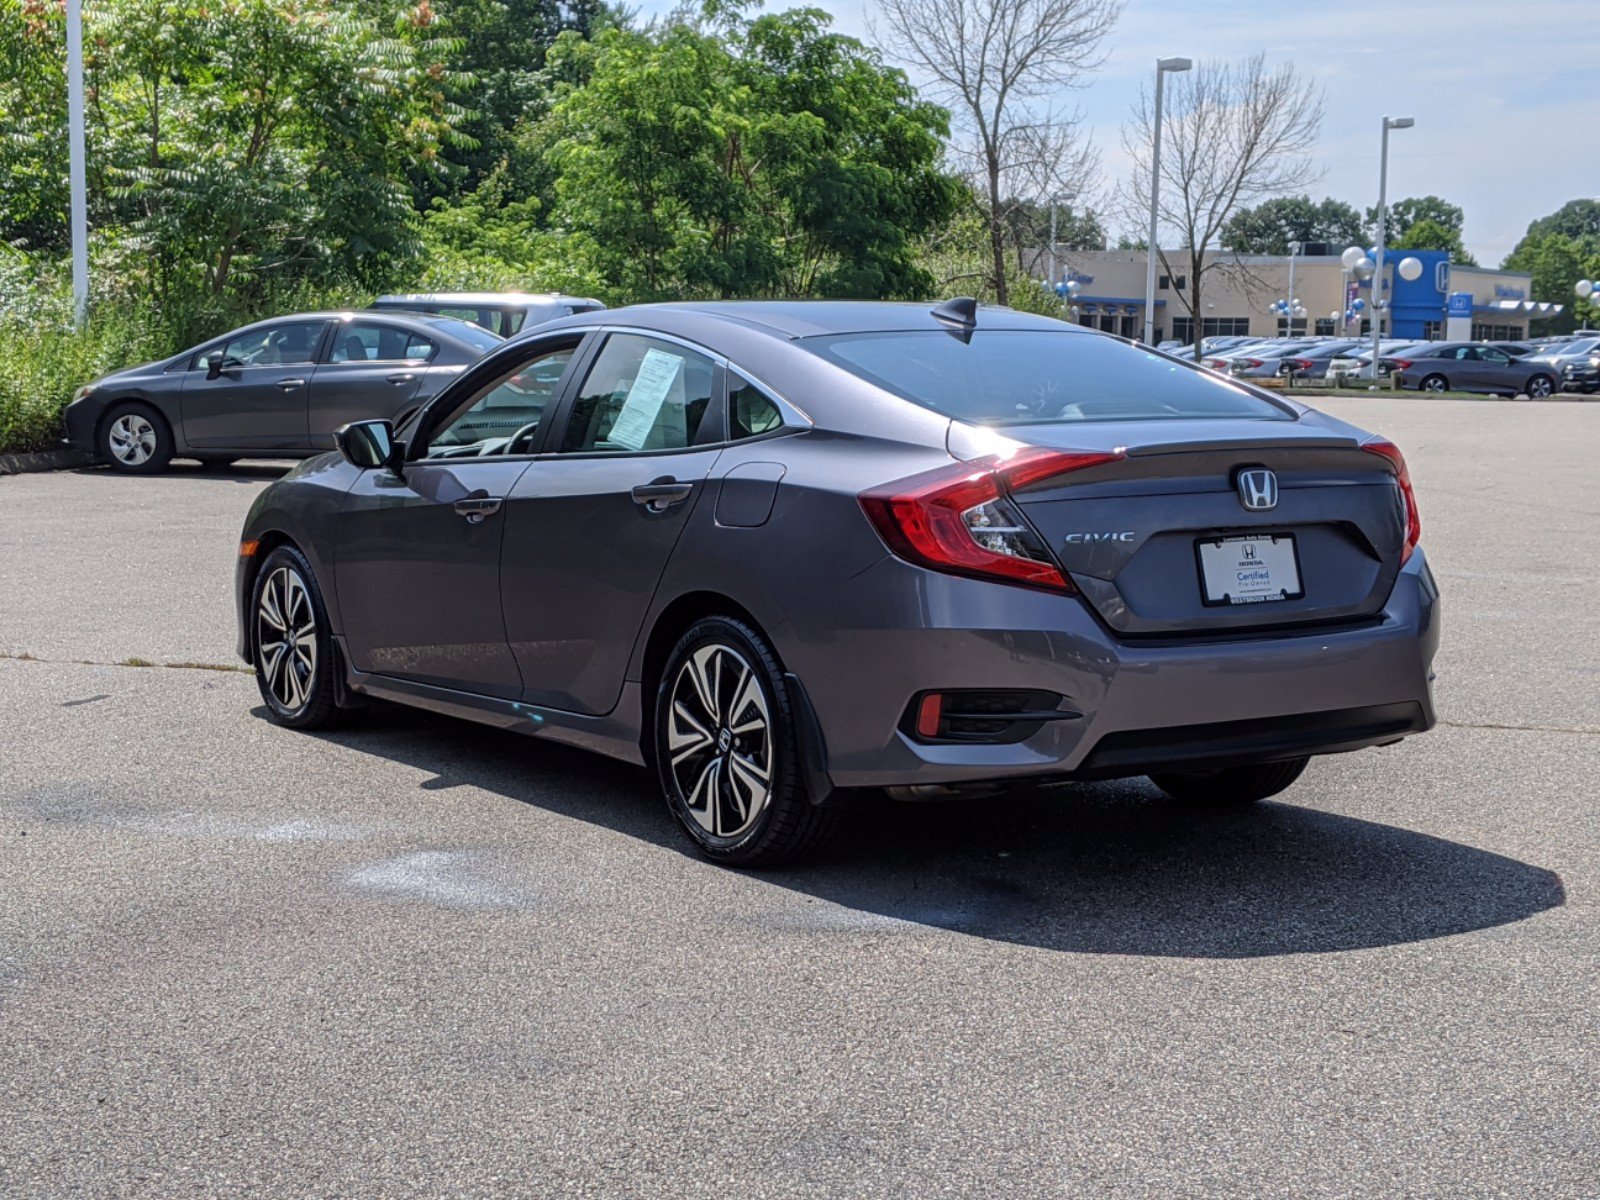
[(1258, 489)]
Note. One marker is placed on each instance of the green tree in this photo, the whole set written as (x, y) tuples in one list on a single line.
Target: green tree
[(1428, 234), (33, 124), (1557, 261), (1028, 230), (726, 157), (1269, 227), (1403, 214), (1574, 219)]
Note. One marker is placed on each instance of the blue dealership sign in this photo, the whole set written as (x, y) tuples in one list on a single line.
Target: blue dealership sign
[(1459, 304)]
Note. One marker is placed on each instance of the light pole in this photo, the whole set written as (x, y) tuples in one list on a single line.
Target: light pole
[(1383, 217), (1163, 65), (78, 204)]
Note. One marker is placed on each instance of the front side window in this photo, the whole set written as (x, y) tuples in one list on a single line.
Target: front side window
[(1006, 377), (641, 394), (508, 414), (364, 341), (751, 412), (276, 345)]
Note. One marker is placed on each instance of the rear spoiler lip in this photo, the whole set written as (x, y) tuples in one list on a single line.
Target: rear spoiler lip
[(1224, 444)]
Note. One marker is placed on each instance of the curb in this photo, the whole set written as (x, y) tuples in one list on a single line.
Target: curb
[(47, 460)]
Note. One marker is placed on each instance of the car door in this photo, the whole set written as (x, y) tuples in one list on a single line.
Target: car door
[(1496, 370), (370, 369), (250, 391), (591, 525), (418, 554)]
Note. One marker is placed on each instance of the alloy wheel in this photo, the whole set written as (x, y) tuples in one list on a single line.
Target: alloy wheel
[(1434, 384), (719, 739), (132, 439), (286, 637), (1539, 388)]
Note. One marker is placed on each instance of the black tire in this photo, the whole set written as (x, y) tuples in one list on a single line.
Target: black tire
[(135, 439), (1540, 387), (713, 738), (1434, 383), (1232, 785), (297, 684)]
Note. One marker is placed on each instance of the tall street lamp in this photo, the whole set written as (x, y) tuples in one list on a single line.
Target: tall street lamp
[(1378, 305), (75, 167), (1163, 65)]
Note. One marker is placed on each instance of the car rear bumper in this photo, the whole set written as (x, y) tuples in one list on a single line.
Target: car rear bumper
[(1155, 704)]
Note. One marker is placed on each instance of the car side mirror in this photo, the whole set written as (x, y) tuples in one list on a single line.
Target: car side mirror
[(214, 367), (370, 445)]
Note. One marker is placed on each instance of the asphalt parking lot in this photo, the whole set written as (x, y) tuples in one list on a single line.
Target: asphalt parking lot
[(421, 958)]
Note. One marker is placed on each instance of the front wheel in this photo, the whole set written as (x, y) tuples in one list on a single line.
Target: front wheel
[(1540, 387), (726, 748), (1231, 785), (134, 439), (291, 644)]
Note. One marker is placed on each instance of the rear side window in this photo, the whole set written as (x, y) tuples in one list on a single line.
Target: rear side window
[(751, 412), (1006, 377), (362, 341), (641, 394)]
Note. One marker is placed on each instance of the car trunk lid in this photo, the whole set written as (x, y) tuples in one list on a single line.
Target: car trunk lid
[(1129, 531)]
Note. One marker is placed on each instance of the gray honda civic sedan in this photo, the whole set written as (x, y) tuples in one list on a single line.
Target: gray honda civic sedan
[(787, 552), (275, 389)]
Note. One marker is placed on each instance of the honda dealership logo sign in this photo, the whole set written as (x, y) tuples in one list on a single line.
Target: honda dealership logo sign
[(1258, 489)]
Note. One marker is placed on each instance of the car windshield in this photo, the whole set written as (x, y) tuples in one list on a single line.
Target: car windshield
[(1004, 377), (475, 336)]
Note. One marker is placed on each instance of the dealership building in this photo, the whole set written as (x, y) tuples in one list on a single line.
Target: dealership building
[(1446, 300)]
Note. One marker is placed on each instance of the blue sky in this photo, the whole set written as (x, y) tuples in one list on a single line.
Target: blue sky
[(1506, 96)]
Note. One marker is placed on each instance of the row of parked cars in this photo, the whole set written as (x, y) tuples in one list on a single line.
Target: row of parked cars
[(1534, 368), (279, 388)]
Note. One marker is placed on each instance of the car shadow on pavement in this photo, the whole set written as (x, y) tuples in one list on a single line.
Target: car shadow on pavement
[(1107, 868), (253, 471)]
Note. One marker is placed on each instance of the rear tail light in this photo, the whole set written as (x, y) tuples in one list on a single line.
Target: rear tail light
[(1248, 363), (961, 519), (1387, 449), (1398, 364), (1298, 364)]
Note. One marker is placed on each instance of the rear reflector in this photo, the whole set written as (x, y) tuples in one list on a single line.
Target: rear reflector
[(929, 710), (1397, 461), (991, 716), (960, 519)]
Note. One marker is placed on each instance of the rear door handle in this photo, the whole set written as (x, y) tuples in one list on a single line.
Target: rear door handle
[(402, 377), (289, 385), (476, 508), (661, 494)]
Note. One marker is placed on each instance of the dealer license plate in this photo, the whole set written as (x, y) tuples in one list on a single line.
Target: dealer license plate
[(1253, 569)]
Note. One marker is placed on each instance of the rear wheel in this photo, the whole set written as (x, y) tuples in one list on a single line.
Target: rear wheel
[(291, 644), (1435, 383), (1231, 785), (134, 439), (726, 749)]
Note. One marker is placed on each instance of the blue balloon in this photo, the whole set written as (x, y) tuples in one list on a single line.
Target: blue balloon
[(1359, 305)]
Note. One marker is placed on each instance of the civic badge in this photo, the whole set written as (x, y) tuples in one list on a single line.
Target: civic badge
[(1258, 489)]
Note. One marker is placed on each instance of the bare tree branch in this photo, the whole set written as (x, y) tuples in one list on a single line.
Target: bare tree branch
[(1232, 135), (994, 62)]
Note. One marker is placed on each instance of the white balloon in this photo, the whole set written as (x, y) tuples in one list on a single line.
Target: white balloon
[(1364, 267), (1585, 289), (1410, 268), (1334, 315), (1300, 313), (1352, 256)]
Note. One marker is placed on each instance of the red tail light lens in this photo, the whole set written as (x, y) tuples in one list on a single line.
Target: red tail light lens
[(1299, 364), (1248, 363), (1387, 449), (961, 519), (1399, 364)]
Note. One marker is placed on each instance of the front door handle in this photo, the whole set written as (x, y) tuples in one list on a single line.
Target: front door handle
[(289, 385), (661, 494), (476, 508), (402, 377)]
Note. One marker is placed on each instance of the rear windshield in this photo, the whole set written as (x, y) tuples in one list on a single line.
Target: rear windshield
[(473, 335), (1007, 377)]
